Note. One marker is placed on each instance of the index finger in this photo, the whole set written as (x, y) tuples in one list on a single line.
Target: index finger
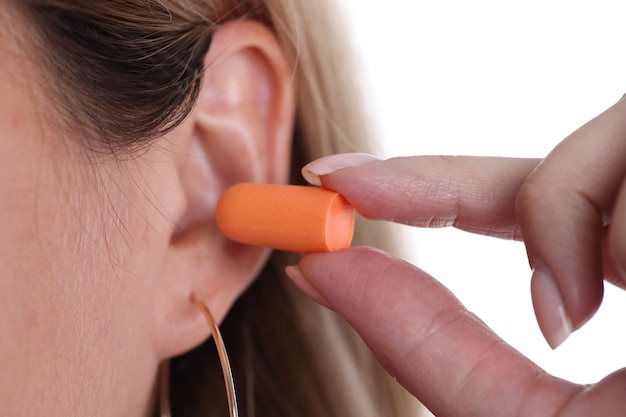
[(475, 194)]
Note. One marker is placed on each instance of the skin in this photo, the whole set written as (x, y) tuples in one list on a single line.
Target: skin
[(570, 211), (55, 273), (102, 258)]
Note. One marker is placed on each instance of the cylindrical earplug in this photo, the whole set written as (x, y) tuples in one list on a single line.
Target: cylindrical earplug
[(286, 217)]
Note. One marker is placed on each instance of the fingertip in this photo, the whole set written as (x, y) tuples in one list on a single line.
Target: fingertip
[(296, 275), (562, 231), (329, 164), (550, 310), (311, 177)]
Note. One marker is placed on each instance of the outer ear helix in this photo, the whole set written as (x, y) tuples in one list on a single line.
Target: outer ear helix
[(164, 402)]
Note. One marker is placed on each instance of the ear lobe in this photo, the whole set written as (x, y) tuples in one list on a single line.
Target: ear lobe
[(240, 130)]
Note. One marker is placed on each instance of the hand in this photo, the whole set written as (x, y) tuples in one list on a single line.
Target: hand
[(570, 211)]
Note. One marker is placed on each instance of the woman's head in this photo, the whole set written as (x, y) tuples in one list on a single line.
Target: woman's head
[(120, 124)]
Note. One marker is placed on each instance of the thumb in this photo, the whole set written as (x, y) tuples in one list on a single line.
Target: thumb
[(425, 338)]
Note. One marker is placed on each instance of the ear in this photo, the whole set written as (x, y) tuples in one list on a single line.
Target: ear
[(240, 130)]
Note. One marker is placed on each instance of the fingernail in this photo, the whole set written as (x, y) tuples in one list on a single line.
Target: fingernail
[(295, 274), (329, 164), (550, 310)]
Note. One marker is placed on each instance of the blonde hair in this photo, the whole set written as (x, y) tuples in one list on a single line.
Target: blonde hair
[(290, 356)]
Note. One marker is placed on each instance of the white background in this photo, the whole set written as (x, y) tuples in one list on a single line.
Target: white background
[(495, 78)]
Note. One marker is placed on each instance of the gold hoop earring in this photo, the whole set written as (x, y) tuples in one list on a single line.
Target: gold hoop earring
[(164, 369)]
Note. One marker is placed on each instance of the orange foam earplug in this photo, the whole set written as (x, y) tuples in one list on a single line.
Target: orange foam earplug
[(286, 217)]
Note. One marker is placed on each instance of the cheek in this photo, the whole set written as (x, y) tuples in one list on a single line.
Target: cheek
[(76, 262), (75, 270)]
